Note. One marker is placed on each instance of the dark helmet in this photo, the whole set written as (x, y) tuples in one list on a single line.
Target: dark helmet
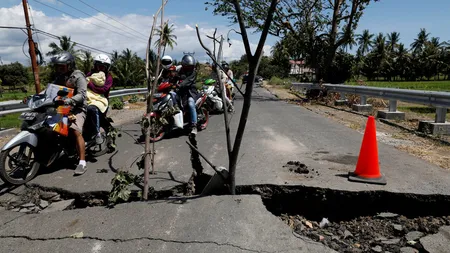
[(225, 65), (64, 58), (188, 63)]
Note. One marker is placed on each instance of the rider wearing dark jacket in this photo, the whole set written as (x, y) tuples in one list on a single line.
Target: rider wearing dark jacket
[(187, 77)]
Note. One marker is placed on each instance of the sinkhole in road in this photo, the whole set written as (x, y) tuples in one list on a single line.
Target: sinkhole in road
[(355, 221)]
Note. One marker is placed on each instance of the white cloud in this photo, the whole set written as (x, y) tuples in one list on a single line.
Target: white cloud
[(79, 30)]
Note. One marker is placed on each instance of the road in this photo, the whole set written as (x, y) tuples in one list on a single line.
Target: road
[(277, 132)]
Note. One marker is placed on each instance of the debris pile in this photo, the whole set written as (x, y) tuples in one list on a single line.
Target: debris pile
[(385, 232)]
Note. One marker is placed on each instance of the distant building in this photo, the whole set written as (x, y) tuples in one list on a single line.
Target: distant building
[(298, 67)]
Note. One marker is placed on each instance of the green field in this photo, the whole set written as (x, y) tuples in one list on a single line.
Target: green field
[(417, 85), (10, 120), (14, 95)]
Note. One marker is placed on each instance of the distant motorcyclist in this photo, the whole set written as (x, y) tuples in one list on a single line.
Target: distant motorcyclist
[(99, 101), (68, 75), (187, 76)]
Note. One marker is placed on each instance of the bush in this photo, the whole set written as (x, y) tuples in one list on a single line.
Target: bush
[(116, 104), (133, 99)]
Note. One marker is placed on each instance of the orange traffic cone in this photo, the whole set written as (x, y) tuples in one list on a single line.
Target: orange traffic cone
[(367, 168)]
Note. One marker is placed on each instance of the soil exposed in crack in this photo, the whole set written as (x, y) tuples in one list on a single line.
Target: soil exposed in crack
[(365, 221), (356, 221)]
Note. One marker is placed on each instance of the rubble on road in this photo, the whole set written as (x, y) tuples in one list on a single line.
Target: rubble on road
[(384, 232)]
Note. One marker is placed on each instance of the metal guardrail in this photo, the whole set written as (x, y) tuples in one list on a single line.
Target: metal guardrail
[(440, 100), (9, 108)]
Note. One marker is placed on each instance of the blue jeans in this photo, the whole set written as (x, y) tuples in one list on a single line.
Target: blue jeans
[(192, 111), (94, 115), (174, 98)]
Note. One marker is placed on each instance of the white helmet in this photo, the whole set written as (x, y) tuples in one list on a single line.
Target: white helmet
[(103, 59), (166, 61)]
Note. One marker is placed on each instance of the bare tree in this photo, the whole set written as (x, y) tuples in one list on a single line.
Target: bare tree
[(253, 60), (149, 154)]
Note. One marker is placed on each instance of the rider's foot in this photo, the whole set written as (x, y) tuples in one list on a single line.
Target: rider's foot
[(194, 130), (99, 139), (80, 170)]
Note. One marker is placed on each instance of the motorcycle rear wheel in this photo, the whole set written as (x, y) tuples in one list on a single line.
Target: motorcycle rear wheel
[(100, 149), (22, 162)]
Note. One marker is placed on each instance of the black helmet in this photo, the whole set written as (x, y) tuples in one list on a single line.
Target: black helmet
[(225, 65), (188, 60), (64, 58)]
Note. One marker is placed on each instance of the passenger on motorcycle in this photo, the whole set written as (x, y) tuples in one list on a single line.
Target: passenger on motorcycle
[(98, 93), (228, 82), (168, 74), (186, 79), (68, 75), (223, 77)]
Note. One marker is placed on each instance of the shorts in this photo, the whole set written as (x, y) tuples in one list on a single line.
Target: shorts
[(77, 125)]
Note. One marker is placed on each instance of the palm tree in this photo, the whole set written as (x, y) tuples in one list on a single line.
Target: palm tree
[(393, 39), (419, 42), (365, 42), (168, 39), (380, 55), (129, 69), (64, 45), (402, 62), (87, 62), (350, 42)]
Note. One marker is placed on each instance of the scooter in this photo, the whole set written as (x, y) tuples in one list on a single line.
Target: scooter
[(167, 115), (44, 137)]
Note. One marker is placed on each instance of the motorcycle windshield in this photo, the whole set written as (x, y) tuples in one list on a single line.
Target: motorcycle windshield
[(46, 97)]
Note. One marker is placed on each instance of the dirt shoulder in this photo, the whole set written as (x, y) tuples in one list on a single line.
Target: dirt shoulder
[(424, 148)]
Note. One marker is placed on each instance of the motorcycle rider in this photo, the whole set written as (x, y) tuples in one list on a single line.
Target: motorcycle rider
[(68, 75), (101, 63), (186, 79)]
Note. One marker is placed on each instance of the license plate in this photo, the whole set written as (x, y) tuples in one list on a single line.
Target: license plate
[(157, 95), (28, 115)]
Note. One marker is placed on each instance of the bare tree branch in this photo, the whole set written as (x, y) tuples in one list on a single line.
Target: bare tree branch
[(253, 68)]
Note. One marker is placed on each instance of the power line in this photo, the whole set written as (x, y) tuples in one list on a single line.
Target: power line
[(77, 43), (81, 19), (14, 27), (113, 19), (97, 18)]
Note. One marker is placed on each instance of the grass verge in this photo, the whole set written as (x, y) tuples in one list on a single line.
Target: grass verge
[(417, 85), (10, 120)]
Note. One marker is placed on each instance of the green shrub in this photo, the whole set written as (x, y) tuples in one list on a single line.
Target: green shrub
[(133, 99), (116, 104)]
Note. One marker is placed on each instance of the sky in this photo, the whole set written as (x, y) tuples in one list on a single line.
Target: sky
[(403, 16)]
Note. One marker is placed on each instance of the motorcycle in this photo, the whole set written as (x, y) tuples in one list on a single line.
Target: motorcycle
[(167, 115), (44, 137)]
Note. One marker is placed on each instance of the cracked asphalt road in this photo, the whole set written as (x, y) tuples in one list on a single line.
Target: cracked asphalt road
[(209, 224), (277, 132)]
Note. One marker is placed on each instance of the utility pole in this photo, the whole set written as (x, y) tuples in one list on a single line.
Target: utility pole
[(32, 51)]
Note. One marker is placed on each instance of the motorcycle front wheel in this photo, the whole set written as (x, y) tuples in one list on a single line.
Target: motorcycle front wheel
[(18, 164), (203, 118)]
